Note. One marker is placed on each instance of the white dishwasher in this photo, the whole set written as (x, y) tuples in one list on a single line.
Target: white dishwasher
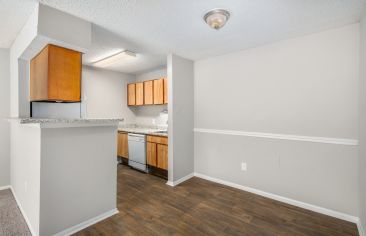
[(137, 151)]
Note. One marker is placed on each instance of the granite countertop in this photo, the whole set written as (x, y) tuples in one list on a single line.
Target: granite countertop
[(65, 122), (145, 129), (29, 120)]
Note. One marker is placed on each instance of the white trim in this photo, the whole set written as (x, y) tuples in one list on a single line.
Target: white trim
[(87, 223), (352, 142), (290, 201), (361, 231), (23, 213), (181, 180), (5, 187)]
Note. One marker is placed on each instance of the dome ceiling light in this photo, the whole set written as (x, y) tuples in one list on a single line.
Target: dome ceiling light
[(217, 18)]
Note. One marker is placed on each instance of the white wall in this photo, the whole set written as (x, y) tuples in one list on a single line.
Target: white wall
[(4, 113), (305, 86), (25, 171), (362, 119), (104, 94), (180, 129), (78, 176), (150, 115)]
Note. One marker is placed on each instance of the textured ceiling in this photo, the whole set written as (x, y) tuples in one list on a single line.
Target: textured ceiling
[(163, 26), (14, 14), (153, 28)]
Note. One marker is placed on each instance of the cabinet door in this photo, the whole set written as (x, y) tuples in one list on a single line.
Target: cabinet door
[(55, 75), (64, 74), (139, 94), (149, 92), (39, 76), (151, 154), (159, 91), (162, 156), (165, 90), (131, 94), (122, 148)]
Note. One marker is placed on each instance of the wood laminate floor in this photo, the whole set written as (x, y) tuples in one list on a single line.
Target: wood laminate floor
[(198, 207)]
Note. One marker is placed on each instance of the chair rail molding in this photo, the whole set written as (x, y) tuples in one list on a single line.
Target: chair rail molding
[(315, 139)]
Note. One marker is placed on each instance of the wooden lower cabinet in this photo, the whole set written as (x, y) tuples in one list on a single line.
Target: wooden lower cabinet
[(156, 152), (122, 147), (151, 154), (162, 156)]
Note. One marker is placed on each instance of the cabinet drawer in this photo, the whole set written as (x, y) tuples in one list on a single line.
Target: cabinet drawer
[(157, 139)]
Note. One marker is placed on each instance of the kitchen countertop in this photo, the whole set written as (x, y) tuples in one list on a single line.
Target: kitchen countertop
[(144, 129), (65, 122)]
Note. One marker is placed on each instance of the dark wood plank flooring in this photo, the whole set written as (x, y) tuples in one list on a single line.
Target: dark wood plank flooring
[(198, 207)]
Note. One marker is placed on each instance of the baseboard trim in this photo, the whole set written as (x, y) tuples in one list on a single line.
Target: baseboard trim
[(361, 231), (290, 201), (5, 187), (87, 223), (181, 180), (23, 213), (314, 139)]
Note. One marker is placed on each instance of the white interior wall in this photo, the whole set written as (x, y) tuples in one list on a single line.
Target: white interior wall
[(4, 113), (362, 119), (67, 200), (25, 171), (181, 123), (150, 115), (104, 94), (305, 86)]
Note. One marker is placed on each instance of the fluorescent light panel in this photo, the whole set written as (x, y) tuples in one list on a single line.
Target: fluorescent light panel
[(110, 60)]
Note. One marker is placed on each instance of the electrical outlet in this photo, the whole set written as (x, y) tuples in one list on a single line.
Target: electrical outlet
[(25, 186), (243, 166)]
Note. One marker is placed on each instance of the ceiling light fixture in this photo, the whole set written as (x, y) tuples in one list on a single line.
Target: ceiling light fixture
[(217, 18), (110, 60)]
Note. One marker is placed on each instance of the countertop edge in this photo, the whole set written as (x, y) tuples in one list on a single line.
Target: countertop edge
[(141, 132), (59, 123)]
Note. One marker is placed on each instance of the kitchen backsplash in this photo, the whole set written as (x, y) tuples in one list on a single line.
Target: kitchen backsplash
[(151, 115)]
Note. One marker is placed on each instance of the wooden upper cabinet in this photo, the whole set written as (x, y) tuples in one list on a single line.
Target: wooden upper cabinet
[(149, 92), (159, 91), (131, 94), (55, 75), (139, 94), (122, 147), (165, 90)]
